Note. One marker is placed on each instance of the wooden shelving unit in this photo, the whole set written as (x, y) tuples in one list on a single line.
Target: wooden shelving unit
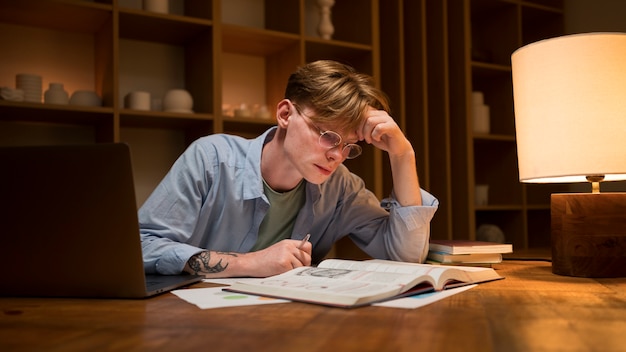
[(117, 47), (447, 50), (429, 56)]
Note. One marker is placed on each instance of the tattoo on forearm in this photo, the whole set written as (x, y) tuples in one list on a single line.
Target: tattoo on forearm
[(199, 263)]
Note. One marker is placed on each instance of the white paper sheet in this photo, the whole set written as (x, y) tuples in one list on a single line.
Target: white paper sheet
[(423, 299), (215, 297)]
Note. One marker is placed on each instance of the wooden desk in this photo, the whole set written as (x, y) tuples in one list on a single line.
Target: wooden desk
[(531, 310)]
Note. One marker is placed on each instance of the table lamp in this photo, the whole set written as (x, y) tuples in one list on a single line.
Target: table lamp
[(570, 114)]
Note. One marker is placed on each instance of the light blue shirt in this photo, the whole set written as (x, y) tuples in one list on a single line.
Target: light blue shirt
[(212, 198)]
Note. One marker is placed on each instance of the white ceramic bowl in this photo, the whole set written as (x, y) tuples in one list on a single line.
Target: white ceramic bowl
[(85, 98), (178, 100)]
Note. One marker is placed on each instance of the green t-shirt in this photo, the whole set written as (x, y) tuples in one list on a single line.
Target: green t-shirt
[(281, 216)]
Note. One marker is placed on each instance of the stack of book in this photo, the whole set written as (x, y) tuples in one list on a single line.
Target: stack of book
[(466, 253)]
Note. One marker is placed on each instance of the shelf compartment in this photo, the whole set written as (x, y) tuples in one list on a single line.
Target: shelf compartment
[(63, 41), (184, 46), (271, 56), (496, 84)]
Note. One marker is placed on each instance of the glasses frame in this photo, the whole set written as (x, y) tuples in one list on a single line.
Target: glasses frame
[(349, 150)]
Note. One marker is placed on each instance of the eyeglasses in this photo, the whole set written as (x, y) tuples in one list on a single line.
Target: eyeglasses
[(331, 139)]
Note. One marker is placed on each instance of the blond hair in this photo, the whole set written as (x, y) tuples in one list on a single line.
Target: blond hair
[(337, 93)]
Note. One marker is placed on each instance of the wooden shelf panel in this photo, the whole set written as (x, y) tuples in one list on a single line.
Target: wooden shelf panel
[(494, 137), (74, 16), (152, 119), (255, 41), (358, 56), (56, 114), (162, 28), (545, 5)]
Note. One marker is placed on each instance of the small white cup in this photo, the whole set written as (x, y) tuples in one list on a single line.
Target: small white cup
[(160, 6), (138, 100)]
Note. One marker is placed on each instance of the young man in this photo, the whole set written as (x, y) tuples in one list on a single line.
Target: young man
[(236, 207)]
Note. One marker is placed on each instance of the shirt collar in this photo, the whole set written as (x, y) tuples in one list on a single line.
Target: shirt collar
[(253, 179)]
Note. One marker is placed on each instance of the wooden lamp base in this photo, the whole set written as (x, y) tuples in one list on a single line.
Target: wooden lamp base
[(589, 234)]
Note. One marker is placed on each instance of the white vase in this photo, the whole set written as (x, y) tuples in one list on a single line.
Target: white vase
[(56, 94), (325, 27)]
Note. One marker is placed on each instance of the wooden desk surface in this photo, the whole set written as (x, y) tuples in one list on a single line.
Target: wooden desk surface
[(531, 310)]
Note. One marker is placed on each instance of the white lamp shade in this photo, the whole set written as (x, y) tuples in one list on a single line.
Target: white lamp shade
[(570, 108)]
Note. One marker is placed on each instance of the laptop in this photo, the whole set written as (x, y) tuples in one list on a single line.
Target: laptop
[(68, 225)]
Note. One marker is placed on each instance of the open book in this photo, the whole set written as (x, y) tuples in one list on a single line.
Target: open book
[(349, 283)]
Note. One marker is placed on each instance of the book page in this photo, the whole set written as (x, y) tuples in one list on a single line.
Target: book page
[(339, 280), (438, 274)]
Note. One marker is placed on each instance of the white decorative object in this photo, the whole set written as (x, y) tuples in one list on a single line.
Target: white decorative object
[(481, 195), (243, 111), (480, 114), (178, 100), (31, 85), (138, 100), (325, 27), (11, 94), (490, 233), (85, 98), (56, 94), (159, 6)]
